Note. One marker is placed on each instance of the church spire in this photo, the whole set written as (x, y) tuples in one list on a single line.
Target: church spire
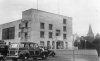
[(90, 33)]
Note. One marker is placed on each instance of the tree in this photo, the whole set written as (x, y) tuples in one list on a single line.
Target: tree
[(96, 43), (76, 43)]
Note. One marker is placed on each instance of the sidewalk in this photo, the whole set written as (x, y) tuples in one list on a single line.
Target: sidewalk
[(79, 55), (79, 52)]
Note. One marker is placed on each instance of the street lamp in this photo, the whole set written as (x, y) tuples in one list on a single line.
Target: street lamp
[(85, 44), (73, 49)]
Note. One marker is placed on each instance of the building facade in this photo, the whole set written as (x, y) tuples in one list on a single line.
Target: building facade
[(44, 28)]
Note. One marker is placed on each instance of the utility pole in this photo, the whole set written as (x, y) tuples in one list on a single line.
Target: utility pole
[(73, 49)]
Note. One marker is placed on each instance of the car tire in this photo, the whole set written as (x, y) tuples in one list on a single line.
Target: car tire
[(44, 57)]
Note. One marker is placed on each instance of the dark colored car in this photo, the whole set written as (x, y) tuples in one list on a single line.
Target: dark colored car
[(3, 51), (25, 50)]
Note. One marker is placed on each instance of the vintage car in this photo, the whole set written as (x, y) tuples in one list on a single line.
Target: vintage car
[(3, 50), (25, 50)]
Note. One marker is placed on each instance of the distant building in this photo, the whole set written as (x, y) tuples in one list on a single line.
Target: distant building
[(90, 35), (90, 32), (97, 36), (44, 28)]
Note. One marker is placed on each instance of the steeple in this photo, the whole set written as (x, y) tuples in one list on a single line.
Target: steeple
[(90, 33)]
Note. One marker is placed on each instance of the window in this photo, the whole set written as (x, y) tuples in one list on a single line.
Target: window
[(64, 21), (14, 46), (21, 45), (36, 46), (50, 26), (57, 32), (19, 34), (48, 45), (26, 24), (26, 34), (41, 34), (41, 25), (41, 43), (8, 33), (50, 34), (66, 45), (19, 26), (64, 28), (64, 36), (53, 44)]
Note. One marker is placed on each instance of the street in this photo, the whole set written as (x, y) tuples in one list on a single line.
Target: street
[(81, 55)]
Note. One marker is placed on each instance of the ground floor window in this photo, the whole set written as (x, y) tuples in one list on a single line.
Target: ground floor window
[(41, 43), (66, 44), (59, 45), (53, 44), (48, 45)]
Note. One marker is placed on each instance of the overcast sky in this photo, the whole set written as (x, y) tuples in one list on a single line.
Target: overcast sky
[(83, 12)]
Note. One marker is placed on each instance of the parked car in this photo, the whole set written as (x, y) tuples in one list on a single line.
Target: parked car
[(25, 50), (3, 50)]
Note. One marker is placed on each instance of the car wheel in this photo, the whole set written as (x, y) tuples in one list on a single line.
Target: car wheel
[(53, 54), (44, 57)]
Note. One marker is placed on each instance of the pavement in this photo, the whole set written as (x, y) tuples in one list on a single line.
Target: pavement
[(78, 55), (76, 52)]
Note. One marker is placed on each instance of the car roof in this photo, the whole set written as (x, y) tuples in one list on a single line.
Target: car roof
[(25, 43), (28, 42)]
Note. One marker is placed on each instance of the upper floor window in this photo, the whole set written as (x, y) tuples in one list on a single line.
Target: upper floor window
[(42, 25), (19, 34), (50, 34), (26, 35), (50, 26), (64, 36), (64, 28), (41, 34), (64, 21), (26, 24), (57, 32), (8, 33), (19, 26)]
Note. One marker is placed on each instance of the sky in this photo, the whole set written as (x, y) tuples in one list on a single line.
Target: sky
[(83, 12)]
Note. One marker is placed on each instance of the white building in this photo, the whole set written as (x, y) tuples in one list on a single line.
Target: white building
[(44, 28)]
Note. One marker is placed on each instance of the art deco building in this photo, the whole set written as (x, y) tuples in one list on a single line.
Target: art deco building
[(44, 28)]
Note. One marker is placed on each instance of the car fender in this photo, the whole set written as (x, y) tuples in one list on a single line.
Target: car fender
[(24, 53), (44, 52)]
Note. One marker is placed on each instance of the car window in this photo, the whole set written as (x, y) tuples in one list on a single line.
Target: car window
[(26, 45), (21, 45), (31, 45), (14, 46), (36, 45)]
